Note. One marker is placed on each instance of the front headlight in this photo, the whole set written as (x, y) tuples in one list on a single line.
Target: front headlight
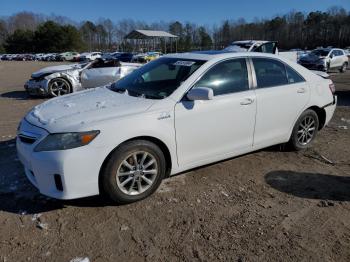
[(63, 141), (321, 61), (41, 77)]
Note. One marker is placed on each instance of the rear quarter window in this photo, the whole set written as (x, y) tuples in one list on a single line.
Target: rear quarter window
[(293, 76)]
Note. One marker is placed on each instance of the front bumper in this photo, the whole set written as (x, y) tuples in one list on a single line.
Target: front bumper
[(312, 66), (37, 87), (76, 169)]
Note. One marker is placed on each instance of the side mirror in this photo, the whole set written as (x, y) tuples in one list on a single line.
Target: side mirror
[(331, 56), (200, 93)]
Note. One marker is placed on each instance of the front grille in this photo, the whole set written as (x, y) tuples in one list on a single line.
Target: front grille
[(37, 79), (27, 139), (308, 65)]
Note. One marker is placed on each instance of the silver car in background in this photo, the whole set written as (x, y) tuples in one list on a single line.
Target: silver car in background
[(64, 79)]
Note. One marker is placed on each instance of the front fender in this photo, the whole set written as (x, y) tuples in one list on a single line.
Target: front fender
[(73, 79), (117, 131)]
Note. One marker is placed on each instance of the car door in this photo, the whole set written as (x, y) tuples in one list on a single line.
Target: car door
[(94, 77), (339, 58), (282, 95), (334, 59), (214, 129)]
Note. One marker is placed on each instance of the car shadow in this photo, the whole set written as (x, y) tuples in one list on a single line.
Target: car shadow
[(20, 95), (310, 185), (343, 97), (19, 196)]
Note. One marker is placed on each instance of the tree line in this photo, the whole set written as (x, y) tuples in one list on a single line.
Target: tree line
[(26, 32)]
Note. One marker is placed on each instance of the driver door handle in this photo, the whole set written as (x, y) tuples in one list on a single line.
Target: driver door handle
[(247, 101), (301, 90)]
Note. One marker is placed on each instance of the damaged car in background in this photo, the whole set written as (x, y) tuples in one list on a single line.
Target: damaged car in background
[(325, 59), (253, 46), (64, 79), (261, 46)]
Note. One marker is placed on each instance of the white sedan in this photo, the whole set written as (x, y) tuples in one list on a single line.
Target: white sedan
[(173, 114)]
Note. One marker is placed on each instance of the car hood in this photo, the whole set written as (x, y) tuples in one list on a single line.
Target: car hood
[(76, 111), (55, 69)]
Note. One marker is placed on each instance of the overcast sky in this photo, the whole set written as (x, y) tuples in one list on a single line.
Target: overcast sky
[(199, 11)]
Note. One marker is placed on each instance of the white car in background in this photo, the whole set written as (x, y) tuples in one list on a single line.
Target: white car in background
[(38, 56), (325, 59), (68, 56), (90, 56), (64, 79), (261, 46), (253, 46), (173, 114)]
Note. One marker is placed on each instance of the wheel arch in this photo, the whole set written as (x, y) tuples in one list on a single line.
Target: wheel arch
[(321, 114), (163, 147)]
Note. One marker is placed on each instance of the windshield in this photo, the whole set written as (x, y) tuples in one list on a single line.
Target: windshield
[(157, 79), (320, 52)]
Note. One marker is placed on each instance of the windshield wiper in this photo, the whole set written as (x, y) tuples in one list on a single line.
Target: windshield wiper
[(119, 89), (152, 96), (122, 90), (136, 94)]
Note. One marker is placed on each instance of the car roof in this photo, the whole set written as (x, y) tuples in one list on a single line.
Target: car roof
[(250, 42), (212, 54)]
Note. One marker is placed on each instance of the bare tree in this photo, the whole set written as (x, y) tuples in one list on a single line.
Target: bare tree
[(292, 30)]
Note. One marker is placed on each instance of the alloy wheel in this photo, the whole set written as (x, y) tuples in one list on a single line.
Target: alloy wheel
[(306, 130), (137, 173), (59, 87)]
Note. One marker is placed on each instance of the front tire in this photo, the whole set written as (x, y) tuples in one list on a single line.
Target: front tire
[(304, 131), (133, 172), (59, 87)]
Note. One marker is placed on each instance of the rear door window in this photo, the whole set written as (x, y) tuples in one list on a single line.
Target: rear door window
[(269, 72), (339, 52)]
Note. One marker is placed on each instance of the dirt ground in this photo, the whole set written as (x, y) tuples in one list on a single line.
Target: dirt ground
[(264, 206)]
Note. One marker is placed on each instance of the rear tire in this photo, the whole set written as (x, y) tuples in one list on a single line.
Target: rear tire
[(133, 172), (304, 131), (343, 68)]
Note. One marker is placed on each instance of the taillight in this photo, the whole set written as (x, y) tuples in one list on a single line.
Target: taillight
[(332, 88)]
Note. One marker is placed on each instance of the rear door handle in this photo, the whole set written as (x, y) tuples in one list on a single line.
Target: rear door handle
[(301, 90), (247, 101)]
